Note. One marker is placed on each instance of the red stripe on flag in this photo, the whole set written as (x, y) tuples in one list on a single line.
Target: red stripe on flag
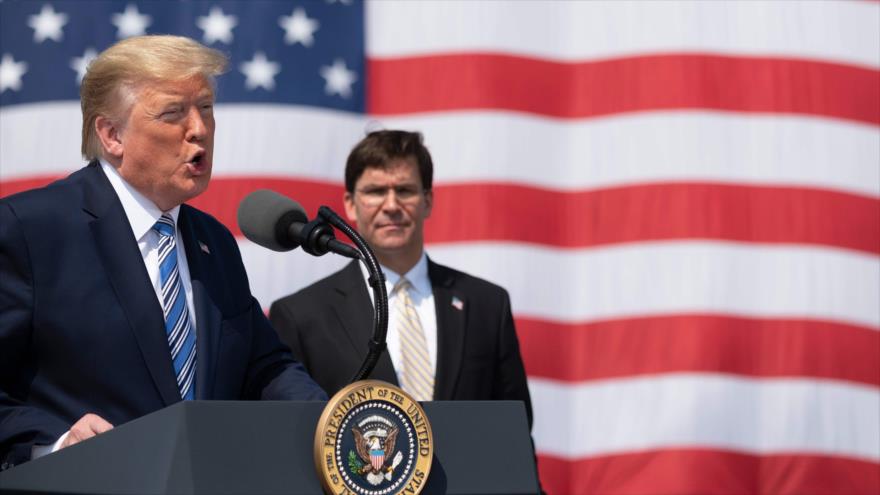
[(578, 352), (708, 472), (506, 212), (225, 193), (10, 187), (607, 216), (657, 82), (655, 212)]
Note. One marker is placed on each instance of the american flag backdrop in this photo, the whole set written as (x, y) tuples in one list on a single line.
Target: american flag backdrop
[(683, 199)]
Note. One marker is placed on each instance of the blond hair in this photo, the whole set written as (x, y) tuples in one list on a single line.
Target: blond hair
[(110, 84)]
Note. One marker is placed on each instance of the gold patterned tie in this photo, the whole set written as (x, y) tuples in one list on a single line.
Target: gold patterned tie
[(417, 377)]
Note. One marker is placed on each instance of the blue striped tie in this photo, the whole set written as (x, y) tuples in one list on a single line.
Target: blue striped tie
[(181, 337)]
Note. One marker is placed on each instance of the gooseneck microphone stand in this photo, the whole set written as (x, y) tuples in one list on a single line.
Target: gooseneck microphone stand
[(376, 281)]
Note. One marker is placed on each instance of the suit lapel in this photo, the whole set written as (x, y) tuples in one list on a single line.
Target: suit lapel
[(208, 315), (125, 269), (451, 323), (355, 313)]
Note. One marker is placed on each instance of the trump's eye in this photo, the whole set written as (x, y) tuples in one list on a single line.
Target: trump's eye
[(170, 113)]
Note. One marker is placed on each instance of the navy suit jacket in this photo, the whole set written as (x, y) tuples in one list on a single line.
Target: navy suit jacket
[(81, 328), (328, 326)]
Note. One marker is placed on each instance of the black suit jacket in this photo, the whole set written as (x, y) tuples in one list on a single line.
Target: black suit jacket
[(81, 329), (328, 326)]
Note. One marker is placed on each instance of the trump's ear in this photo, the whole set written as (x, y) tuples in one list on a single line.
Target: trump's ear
[(109, 134)]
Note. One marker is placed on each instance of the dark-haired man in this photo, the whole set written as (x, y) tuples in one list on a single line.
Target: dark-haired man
[(451, 336)]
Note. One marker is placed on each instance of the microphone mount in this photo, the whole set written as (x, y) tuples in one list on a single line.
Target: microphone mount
[(318, 239), (377, 283)]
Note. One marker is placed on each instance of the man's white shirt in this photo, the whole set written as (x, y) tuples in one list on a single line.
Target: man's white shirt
[(142, 215), (422, 296)]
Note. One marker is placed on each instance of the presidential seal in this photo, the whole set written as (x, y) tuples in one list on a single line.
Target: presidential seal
[(373, 439)]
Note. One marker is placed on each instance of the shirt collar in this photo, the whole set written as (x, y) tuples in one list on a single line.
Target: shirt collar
[(141, 212), (417, 276)]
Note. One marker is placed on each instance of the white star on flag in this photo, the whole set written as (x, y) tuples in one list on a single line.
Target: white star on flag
[(260, 72), (298, 28), (338, 79), (81, 64), (47, 24), (10, 73), (217, 26), (131, 22)]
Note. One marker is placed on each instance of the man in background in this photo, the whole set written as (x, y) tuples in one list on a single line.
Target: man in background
[(116, 298), (450, 335)]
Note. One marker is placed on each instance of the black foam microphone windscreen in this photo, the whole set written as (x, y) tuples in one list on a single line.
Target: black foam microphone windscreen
[(265, 217)]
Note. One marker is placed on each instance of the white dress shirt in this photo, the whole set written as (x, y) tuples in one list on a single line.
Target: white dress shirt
[(142, 215), (422, 297)]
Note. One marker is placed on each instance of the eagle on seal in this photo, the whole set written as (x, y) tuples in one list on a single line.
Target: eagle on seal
[(373, 452)]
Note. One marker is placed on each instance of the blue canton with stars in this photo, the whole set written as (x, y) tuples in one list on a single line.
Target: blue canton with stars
[(283, 52)]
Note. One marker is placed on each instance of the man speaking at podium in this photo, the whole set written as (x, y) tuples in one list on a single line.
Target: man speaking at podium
[(116, 298), (450, 335)]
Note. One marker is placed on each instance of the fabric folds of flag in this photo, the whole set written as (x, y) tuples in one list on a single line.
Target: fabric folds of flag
[(682, 198)]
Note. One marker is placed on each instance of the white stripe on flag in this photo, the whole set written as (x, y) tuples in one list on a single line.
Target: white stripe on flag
[(706, 411), (650, 278), (294, 141), (647, 278), (600, 30), (587, 154), (650, 147)]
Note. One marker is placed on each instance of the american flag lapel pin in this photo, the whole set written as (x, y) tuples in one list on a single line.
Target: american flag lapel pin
[(457, 303), (204, 247)]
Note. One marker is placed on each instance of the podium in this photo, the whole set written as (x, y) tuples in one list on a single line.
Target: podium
[(228, 447)]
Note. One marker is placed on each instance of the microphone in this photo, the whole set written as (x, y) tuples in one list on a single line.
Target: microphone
[(279, 223)]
